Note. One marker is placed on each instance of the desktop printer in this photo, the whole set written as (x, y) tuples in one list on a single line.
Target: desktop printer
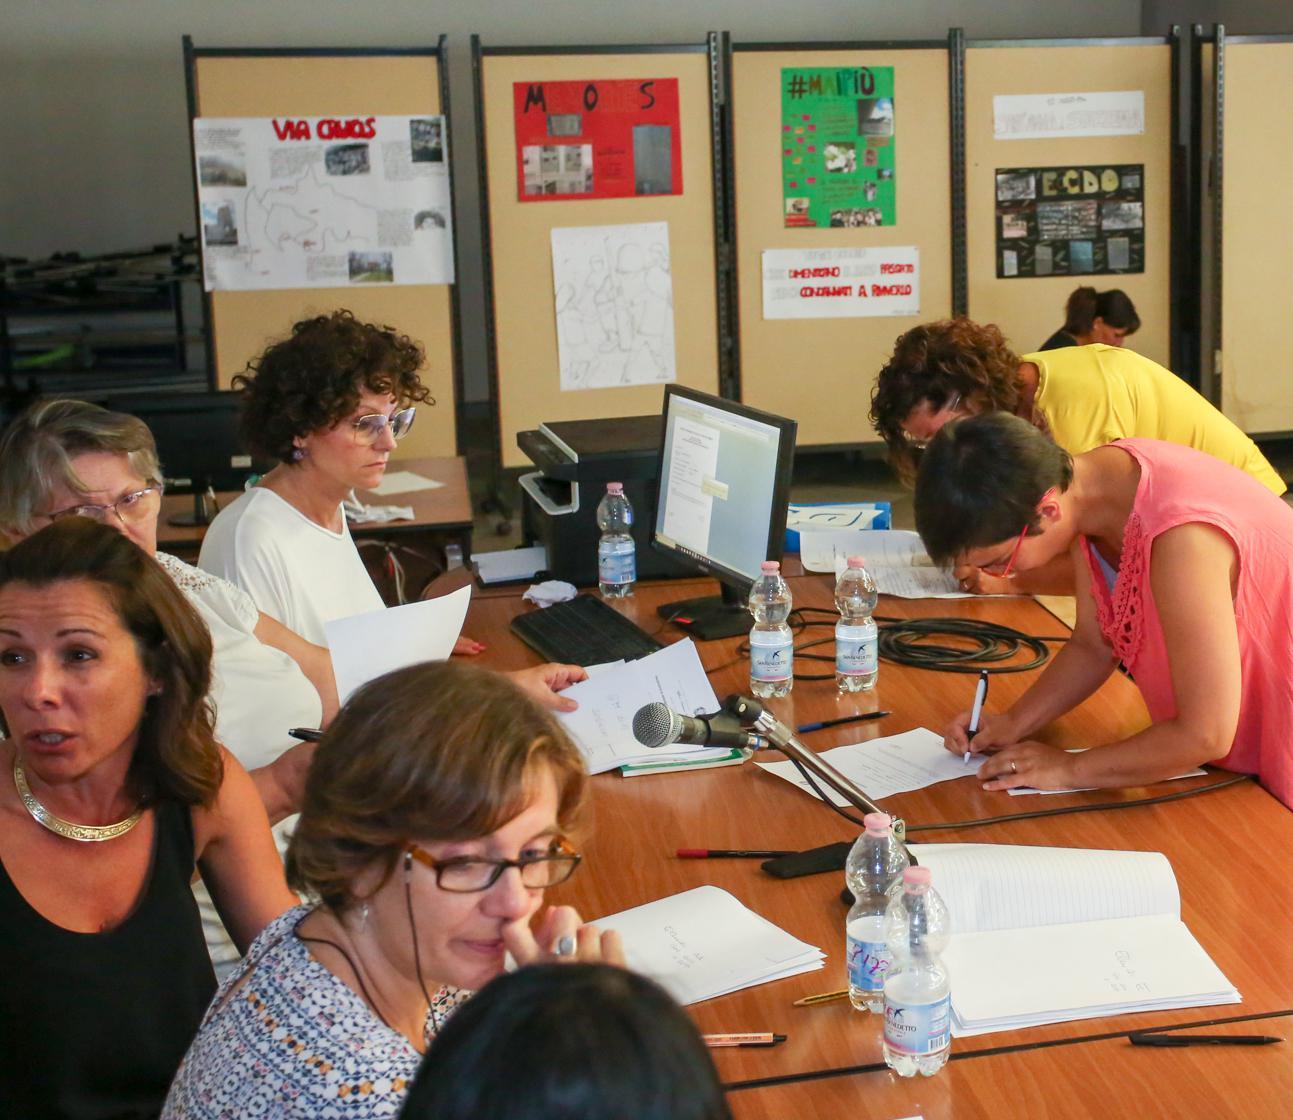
[(576, 458)]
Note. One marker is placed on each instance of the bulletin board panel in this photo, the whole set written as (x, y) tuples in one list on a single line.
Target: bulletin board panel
[(1256, 237), (273, 83), (820, 371), (525, 371), (1029, 310)]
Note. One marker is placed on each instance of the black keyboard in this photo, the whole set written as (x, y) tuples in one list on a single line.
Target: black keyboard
[(583, 631)]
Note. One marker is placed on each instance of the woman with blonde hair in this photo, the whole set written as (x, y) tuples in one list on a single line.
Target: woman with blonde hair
[(437, 811)]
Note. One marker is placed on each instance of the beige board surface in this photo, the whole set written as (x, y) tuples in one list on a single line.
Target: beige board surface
[(529, 382), (1030, 310), (1257, 237), (820, 371), (244, 323)]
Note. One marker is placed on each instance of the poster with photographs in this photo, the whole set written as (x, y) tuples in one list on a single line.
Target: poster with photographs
[(323, 202), (597, 139), (1070, 221), (837, 146)]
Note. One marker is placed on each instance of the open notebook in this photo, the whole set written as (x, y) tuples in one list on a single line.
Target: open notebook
[(1046, 935)]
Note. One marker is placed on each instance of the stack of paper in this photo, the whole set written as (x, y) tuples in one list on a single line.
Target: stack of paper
[(895, 558), (1047, 935), (610, 698), (704, 943)]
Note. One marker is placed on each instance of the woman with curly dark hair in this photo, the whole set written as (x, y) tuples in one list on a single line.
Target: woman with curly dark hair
[(329, 402), (1082, 397)]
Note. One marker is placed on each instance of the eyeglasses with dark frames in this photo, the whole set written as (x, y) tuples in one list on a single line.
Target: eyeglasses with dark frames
[(131, 507), (467, 874), (368, 429)]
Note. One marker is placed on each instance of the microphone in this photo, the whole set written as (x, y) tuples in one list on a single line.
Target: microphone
[(658, 725)]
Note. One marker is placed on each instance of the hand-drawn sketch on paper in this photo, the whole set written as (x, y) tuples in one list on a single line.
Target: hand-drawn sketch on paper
[(614, 305)]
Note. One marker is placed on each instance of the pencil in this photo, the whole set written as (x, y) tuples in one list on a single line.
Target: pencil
[(823, 997)]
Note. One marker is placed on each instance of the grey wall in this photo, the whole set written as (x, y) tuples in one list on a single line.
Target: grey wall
[(93, 124), (1240, 17)]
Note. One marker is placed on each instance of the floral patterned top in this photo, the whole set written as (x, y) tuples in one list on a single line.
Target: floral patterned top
[(285, 1038)]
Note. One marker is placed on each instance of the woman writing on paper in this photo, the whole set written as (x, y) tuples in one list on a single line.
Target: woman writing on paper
[(1108, 318), (1080, 397), (115, 790), (1184, 575), (329, 403), (436, 814)]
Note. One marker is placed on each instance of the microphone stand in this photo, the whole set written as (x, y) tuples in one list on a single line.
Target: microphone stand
[(769, 732)]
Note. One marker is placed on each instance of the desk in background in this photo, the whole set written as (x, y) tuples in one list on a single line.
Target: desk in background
[(440, 516), (1227, 850)]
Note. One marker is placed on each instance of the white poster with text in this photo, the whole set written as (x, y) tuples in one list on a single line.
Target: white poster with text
[(1045, 116), (841, 283), (323, 202)]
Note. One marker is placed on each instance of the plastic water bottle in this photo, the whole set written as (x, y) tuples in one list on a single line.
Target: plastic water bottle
[(917, 991), (616, 552), (772, 649), (873, 871), (857, 655)]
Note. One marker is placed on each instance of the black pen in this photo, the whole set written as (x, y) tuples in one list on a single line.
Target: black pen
[(309, 734), (842, 719), (1140, 1038)]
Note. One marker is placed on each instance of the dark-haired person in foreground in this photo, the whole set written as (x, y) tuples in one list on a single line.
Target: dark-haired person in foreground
[(114, 790), (328, 403), (1107, 317), (555, 1042), (1184, 575), (438, 809), (1082, 398)]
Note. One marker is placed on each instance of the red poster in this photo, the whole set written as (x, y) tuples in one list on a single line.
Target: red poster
[(611, 139)]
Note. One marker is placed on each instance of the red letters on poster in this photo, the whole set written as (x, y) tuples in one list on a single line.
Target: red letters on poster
[(597, 139)]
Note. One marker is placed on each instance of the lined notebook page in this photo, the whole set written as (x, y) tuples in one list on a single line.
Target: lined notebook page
[(1004, 886)]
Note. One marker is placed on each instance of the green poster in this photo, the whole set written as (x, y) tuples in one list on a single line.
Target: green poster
[(837, 162)]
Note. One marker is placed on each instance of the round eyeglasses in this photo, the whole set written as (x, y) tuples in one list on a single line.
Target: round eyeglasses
[(129, 508), (368, 429), (466, 874)]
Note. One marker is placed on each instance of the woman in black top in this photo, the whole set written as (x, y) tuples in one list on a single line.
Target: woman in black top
[(1091, 316), (118, 788)]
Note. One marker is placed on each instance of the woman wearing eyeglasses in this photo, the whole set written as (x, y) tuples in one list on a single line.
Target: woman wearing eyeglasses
[(436, 814), (329, 404), (1081, 397), (1184, 572)]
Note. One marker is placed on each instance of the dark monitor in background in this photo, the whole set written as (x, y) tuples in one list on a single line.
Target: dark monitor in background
[(199, 443), (724, 486)]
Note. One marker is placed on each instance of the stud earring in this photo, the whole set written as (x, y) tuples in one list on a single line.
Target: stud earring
[(298, 453)]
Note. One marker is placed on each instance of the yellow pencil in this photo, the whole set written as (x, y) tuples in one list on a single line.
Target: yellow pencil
[(824, 997)]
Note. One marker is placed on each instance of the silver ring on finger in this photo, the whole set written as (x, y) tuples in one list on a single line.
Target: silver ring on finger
[(1013, 768), (565, 946)]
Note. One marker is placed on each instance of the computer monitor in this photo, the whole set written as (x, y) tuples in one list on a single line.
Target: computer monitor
[(724, 487), (199, 443)]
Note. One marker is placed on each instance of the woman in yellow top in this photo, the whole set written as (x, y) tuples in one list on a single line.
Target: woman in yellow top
[(1082, 397)]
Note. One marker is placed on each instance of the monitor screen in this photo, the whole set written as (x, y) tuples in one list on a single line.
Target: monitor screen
[(724, 485)]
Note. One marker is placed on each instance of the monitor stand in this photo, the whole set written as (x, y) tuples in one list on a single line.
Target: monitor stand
[(711, 617), (203, 503)]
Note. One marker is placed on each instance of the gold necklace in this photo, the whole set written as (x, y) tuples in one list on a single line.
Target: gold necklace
[(70, 829)]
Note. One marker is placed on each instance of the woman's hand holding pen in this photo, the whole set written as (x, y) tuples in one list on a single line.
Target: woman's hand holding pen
[(995, 732)]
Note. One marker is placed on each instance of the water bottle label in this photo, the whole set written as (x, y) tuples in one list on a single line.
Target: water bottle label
[(617, 566), (918, 1028), (772, 663), (856, 656), (868, 961)]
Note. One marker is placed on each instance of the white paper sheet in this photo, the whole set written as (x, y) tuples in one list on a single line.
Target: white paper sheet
[(404, 482), (614, 305), (888, 765), (365, 646), (1023, 791), (812, 519), (602, 726), (704, 943), (311, 202), (510, 563), (1040, 116), (841, 283)]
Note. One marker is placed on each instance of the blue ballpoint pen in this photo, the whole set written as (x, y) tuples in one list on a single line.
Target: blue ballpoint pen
[(980, 695)]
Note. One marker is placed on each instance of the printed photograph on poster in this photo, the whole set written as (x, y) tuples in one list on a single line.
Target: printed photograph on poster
[(617, 138), (1070, 221), (837, 147), (841, 283), (310, 202), (614, 305)]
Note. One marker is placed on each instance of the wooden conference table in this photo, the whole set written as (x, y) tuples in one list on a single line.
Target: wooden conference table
[(1229, 851)]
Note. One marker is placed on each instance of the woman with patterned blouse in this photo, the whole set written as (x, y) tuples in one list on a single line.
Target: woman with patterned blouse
[(436, 813)]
